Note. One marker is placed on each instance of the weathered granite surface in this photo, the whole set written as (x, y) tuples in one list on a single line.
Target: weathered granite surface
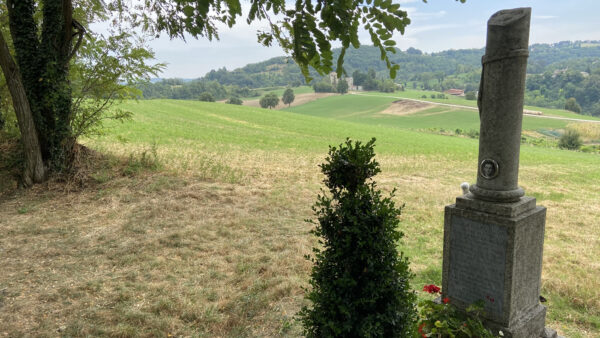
[(497, 259), (500, 102), (494, 236), (508, 209)]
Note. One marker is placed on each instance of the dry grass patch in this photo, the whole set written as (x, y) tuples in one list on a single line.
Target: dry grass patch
[(158, 255), (406, 107), (590, 132), (185, 250), (155, 253)]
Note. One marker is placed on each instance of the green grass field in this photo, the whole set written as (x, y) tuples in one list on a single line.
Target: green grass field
[(367, 110), (417, 94), (193, 225)]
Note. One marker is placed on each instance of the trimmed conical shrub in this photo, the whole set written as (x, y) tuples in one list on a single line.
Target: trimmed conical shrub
[(360, 284)]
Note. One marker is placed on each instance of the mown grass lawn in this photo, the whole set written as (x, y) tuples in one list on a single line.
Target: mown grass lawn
[(193, 224)]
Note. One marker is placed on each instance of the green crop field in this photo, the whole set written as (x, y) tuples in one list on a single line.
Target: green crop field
[(192, 221), (367, 109), (418, 95)]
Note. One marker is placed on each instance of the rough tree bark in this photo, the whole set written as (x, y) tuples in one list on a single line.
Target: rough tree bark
[(34, 171), (42, 54), (55, 47)]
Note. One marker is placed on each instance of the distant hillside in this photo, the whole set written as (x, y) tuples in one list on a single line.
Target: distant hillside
[(278, 71), (551, 67), (283, 71)]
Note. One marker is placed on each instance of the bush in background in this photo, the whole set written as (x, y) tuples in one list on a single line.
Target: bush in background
[(234, 100), (360, 284), (323, 87), (572, 105), (342, 86), (206, 97), (570, 140)]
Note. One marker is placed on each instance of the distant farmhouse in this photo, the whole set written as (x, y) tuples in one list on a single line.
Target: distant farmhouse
[(333, 80)]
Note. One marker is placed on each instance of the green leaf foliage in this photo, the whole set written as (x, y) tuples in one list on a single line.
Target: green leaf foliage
[(288, 96), (206, 97), (360, 284), (572, 105), (72, 76), (303, 28), (100, 78), (444, 320), (269, 101), (235, 100), (323, 86), (342, 86)]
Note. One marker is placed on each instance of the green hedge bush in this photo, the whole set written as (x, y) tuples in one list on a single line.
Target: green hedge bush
[(360, 284)]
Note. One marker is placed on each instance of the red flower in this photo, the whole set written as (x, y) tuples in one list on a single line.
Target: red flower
[(431, 288), (446, 300), (421, 327)]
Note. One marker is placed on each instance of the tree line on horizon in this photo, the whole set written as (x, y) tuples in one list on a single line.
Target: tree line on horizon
[(556, 73)]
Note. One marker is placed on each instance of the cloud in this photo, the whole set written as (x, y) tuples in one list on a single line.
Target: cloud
[(428, 15), (545, 17)]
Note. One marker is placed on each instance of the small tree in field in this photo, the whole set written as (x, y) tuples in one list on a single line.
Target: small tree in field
[(288, 96), (342, 86), (360, 284), (269, 101)]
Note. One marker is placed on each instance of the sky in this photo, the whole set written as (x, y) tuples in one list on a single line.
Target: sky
[(435, 26)]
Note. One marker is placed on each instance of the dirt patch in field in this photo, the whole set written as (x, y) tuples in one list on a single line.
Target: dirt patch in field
[(406, 107), (298, 100)]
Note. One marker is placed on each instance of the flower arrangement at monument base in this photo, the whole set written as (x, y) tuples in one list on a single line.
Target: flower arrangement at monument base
[(438, 318)]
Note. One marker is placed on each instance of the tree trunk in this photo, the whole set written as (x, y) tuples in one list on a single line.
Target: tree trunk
[(25, 39), (55, 46), (34, 171), (42, 55)]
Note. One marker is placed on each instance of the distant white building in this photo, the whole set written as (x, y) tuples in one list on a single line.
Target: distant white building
[(333, 79)]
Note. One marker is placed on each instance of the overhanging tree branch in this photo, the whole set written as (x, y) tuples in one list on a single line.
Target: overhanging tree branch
[(79, 31)]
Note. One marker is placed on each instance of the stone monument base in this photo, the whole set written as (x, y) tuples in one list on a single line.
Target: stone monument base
[(493, 253), (530, 324)]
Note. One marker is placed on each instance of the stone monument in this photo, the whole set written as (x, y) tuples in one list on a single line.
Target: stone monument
[(494, 235)]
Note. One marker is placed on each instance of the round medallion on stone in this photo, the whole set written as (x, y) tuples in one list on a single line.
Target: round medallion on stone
[(488, 169)]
